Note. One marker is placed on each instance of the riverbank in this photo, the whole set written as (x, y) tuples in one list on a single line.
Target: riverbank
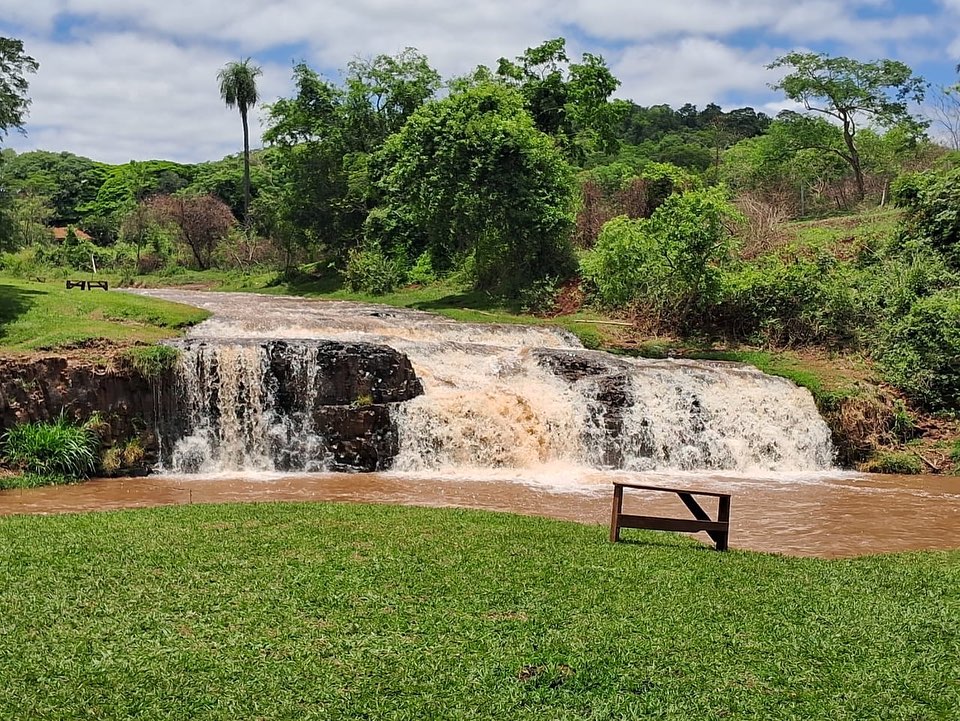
[(342, 611)]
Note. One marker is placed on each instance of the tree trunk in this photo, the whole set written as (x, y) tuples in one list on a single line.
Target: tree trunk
[(246, 170), (854, 160)]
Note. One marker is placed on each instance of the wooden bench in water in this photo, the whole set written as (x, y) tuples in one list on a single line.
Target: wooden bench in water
[(718, 530), (88, 284)]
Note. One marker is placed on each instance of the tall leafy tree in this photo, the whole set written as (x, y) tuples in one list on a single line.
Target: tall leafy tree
[(14, 65), (238, 88), (569, 101), (471, 176), (851, 91)]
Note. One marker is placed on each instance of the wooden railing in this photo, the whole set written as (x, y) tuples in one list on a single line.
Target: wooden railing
[(88, 284), (718, 530)]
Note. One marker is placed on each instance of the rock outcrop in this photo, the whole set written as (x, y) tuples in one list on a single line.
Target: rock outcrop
[(290, 405), (39, 388)]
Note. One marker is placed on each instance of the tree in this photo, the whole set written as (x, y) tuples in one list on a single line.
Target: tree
[(68, 180), (569, 101), (14, 64), (470, 176), (238, 88), (848, 90), (200, 221), (382, 93), (944, 109)]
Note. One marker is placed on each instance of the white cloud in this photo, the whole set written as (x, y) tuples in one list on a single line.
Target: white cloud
[(696, 70), (128, 96), (125, 79)]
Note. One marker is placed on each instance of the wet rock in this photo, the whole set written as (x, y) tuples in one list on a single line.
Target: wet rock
[(358, 438), (607, 383), (292, 405), (345, 372)]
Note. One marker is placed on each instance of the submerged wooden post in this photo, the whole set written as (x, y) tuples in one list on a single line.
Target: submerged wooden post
[(718, 530)]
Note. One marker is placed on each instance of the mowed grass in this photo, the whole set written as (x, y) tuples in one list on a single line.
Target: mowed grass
[(327, 611), (45, 316)]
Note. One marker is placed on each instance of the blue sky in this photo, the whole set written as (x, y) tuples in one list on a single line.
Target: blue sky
[(136, 79)]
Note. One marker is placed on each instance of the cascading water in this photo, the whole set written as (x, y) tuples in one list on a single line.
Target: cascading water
[(494, 396)]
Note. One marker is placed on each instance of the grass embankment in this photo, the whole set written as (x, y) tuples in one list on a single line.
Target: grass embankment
[(343, 611), (45, 316)]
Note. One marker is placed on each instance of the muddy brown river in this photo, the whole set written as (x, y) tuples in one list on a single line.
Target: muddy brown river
[(838, 516)]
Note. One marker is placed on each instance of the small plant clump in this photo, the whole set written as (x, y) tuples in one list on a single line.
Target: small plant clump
[(151, 361), (52, 452), (899, 462)]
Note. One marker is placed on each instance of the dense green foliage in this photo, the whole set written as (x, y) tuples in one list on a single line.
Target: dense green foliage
[(471, 176), (15, 64), (55, 451), (387, 612), (920, 351), (670, 264)]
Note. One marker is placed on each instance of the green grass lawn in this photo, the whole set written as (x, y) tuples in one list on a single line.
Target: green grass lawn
[(41, 316), (327, 611)]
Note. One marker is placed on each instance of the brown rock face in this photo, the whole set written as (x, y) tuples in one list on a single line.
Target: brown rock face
[(39, 389)]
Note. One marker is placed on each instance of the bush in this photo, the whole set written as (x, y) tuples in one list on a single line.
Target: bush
[(919, 351), (55, 450), (902, 462), (422, 271), (790, 303), (932, 204), (370, 270), (670, 263)]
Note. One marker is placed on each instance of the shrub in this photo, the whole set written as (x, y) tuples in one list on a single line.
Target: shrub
[(370, 270), (56, 449), (790, 303), (670, 263), (932, 204), (422, 271), (919, 351)]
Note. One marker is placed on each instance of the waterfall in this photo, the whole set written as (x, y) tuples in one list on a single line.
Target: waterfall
[(493, 396)]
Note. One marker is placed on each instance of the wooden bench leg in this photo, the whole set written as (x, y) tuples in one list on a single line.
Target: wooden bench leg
[(723, 515), (615, 514)]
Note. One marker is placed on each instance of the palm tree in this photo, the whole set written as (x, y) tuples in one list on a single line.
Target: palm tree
[(238, 88)]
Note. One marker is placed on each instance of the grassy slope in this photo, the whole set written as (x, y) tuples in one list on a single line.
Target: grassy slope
[(340, 611), (41, 316)]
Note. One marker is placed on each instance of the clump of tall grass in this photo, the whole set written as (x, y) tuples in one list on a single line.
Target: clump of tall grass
[(57, 451), (151, 361)]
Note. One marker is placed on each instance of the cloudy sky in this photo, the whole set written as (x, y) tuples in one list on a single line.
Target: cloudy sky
[(136, 79)]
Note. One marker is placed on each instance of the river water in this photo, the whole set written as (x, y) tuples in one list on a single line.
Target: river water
[(496, 429)]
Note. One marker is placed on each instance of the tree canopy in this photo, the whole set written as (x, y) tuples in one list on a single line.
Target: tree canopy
[(569, 101), (15, 64), (471, 175), (848, 90)]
